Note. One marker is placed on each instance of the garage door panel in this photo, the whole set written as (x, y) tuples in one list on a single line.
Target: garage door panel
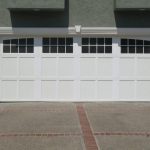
[(105, 89), (9, 67), (143, 90), (96, 70), (87, 89), (88, 67), (105, 67), (26, 89), (49, 89), (143, 67), (66, 90), (127, 67), (66, 67), (26, 67), (9, 90), (48, 67), (126, 89)]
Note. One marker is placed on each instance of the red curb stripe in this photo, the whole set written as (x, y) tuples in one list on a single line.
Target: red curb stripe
[(39, 134), (88, 136), (147, 134)]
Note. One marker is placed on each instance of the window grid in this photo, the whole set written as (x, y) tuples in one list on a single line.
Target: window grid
[(133, 46), (96, 45), (58, 45), (25, 45)]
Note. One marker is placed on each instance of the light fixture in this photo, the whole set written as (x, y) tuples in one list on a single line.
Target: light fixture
[(78, 28)]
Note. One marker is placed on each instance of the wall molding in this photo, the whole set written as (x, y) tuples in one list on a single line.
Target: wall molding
[(72, 31)]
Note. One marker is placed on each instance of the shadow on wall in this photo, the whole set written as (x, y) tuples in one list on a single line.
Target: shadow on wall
[(41, 18), (129, 19)]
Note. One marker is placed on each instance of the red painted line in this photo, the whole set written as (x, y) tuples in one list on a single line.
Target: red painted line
[(40, 134), (88, 136), (147, 134)]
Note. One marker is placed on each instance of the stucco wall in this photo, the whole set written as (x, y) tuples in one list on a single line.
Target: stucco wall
[(88, 13), (132, 4)]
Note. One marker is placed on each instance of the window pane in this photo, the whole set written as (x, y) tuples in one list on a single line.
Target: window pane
[(108, 49), (85, 49), (69, 49), (22, 49), (6, 49), (14, 49), (100, 49), (53, 41), (30, 41), (61, 41), (14, 42), (92, 49), (146, 42), (69, 41), (19, 45), (30, 49), (53, 49), (85, 41), (131, 49), (108, 41), (124, 49), (45, 49), (92, 41), (139, 42), (46, 41), (146, 49), (7, 42), (131, 42), (22, 41), (124, 42), (100, 41), (139, 49), (61, 49)]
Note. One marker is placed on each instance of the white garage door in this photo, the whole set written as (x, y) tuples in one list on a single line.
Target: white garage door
[(74, 69), (134, 69)]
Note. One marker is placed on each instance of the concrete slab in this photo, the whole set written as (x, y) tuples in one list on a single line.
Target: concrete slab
[(56, 126), (123, 142), (119, 117), (41, 143), (37, 105), (36, 118)]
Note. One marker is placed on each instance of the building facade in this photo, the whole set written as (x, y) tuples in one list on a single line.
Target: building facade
[(74, 50)]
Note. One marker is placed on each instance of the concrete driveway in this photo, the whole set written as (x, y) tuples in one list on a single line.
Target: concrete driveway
[(75, 126)]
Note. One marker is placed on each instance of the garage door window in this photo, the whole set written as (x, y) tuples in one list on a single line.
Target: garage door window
[(135, 46), (57, 45), (96, 45), (24, 45)]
